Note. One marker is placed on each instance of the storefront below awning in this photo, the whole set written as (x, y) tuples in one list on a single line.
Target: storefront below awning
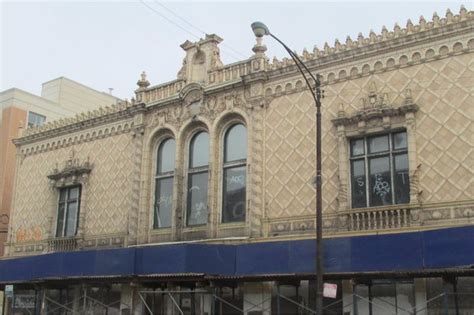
[(402, 252)]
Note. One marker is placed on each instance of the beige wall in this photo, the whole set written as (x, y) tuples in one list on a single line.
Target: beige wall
[(75, 96), (30, 102), (424, 87), (106, 193), (444, 124)]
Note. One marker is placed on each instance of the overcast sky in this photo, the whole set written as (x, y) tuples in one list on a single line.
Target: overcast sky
[(106, 44)]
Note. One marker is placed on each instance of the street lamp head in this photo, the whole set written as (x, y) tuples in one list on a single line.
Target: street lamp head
[(260, 29)]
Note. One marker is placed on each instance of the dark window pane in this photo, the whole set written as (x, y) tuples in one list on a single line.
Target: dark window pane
[(236, 143), (402, 179), (71, 219), (60, 222), (63, 194), (357, 147), (362, 296), (73, 193), (163, 202), (383, 298), (405, 298), (199, 150), (197, 199), (166, 156), (234, 195), (378, 144), (35, 120), (358, 184), (380, 187), (400, 140)]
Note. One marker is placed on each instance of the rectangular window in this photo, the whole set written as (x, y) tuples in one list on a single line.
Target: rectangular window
[(379, 170), (35, 120), (385, 297), (68, 211)]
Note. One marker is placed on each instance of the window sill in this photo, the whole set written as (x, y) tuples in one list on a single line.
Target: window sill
[(232, 225), (381, 208), (159, 231)]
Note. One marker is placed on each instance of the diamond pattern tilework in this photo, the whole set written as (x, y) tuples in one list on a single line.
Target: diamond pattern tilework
[(107, 202), (443, 90), (444, 129)]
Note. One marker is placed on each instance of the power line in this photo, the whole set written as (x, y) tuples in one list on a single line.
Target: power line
[(169, 20), (195, 27), (189, 24)]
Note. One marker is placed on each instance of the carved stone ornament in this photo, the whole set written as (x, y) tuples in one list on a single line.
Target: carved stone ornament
[(73, 172), (375, 110), (191, 93)]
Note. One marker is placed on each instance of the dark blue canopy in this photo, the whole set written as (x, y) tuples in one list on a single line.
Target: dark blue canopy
[(414, 251)]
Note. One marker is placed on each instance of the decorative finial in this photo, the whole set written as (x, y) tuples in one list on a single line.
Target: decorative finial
[(372, 37), (449, 16), (349, 42), (259, 48), (396, 30), (143, 82), (422, 23), (409, 27), (408, 97), (326, 48), (360, 39), (435, 19), (316, 51), (384, 33), (462, 11)]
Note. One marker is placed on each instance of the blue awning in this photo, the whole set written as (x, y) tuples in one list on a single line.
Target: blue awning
[(414, 251)]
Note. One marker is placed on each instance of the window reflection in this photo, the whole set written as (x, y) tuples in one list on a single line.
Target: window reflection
[(234, 174), (163, 205), (197, 206), (379, 170)]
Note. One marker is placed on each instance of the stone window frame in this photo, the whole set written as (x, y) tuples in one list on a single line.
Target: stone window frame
[(74, 173), (226, 123), (376, 117), (165, 136)]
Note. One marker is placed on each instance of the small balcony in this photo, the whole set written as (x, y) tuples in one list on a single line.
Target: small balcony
[(383, 218), (63, 244)]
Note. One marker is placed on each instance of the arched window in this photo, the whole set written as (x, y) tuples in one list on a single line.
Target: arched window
[(164, 184), (196, 212), (234, 172)]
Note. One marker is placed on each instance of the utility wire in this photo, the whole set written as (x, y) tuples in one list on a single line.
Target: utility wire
[(189, 24), (169, 20), (195, 27)]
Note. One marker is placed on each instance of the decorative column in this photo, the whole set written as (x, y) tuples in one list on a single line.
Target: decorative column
[(254, 96), (137, 213), (342, 163)]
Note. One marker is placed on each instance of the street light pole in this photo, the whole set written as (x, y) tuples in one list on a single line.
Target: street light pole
[(260, 30)]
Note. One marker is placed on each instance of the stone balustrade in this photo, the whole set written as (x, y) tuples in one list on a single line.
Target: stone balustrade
[(229, 73), (63, 244), (378, 218), (163, 91)]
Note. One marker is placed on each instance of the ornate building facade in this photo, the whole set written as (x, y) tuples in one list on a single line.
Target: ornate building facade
[(207, 183)]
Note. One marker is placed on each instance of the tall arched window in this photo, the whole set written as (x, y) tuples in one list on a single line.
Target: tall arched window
[(234, 172), (198, 170), (164, 184)]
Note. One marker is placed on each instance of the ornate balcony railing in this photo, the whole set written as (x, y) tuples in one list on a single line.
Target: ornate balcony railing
[(63, 244), (378, 218)]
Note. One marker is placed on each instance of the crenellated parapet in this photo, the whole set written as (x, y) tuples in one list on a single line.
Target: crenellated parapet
[(372, 41), (80, 121)]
